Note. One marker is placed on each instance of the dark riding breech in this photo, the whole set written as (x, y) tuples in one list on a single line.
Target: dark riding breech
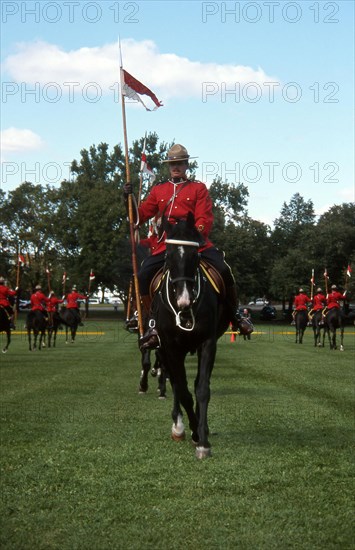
[(152, 264)]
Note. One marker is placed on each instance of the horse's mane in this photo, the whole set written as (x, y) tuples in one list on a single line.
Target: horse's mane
[(183, 228)]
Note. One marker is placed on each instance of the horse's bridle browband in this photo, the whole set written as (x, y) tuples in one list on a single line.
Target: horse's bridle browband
[(183, 243)]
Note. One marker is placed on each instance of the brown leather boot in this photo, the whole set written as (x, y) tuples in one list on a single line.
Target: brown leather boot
[(150, 340)]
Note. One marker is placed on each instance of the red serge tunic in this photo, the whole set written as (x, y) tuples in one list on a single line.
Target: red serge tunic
[(175, 201), (319, 301), (72, 300), (5, 292), (52, 304), (333, 299), (301, 301), (39, 301)]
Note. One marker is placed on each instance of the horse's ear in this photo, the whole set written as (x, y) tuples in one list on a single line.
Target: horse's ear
[(190, 220)]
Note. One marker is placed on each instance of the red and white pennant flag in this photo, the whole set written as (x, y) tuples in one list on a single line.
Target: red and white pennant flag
[(92, 275), (132, 88), (348, 271)]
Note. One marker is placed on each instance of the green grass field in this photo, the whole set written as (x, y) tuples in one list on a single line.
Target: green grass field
[(87, 463)]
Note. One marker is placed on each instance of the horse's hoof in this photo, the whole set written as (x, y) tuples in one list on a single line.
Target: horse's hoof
[(162, 397), (341, 348), (178, 437), (4, 350), (141, 391), (203, 452)]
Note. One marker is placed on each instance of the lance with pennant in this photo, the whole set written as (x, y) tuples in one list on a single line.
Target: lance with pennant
[(312, 284), (20, 261), (347, 275), (48, 271), (134, 89), (326, 280)]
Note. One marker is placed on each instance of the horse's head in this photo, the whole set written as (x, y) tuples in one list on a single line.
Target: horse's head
[(182, 243)]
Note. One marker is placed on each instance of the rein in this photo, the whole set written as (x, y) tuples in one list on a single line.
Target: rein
[(178, 314)]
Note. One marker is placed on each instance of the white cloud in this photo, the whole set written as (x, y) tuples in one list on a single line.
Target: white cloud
[(167, 74), (19, 140)]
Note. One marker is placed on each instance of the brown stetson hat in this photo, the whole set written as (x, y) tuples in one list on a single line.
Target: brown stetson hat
[(177, 153)]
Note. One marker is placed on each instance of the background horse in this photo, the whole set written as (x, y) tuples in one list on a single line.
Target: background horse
[(36, 323), (333, 321), (157, 370), (53, 329), (301, 321), (189, 317), (5, 327), (317, 328), (71, 320)]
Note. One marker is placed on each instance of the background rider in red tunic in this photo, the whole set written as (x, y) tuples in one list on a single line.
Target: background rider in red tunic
[(5, 293)]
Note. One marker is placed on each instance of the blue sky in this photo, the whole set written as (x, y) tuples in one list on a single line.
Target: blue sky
[(260, 92)]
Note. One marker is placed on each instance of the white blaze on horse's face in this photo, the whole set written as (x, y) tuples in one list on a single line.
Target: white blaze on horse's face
[(183, 299)]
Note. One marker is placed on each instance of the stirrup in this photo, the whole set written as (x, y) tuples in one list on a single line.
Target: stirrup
[(150, 340)]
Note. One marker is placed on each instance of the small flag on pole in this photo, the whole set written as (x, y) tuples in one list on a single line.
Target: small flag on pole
[(92, 276), (312, 278), (326, 274), (21, 259), (146, 169), (48, 270), (64, 278), (132, 88), (348, 271)]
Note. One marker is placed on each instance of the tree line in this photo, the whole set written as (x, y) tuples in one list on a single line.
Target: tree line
[(82, 225)]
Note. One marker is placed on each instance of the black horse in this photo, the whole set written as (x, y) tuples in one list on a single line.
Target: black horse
[(71, 319), (157, 370), (53, 327), (301, 320), (37, 323), (5, 327), (317, 328), (190, 317), (333, 321)]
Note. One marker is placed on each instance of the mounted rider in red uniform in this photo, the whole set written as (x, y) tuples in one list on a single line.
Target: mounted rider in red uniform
[(174, 199), (5, 293), (72, 303), (38, 302), (300, 303), (52, 306), (318, 303)]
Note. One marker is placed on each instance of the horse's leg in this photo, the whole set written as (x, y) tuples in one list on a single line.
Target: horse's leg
[(178, 428), (162, 384), (8, 340), (143, 381), (182, 396), (341, 338), (66, 334), (55, 336), (29, 339), (334, 338), (207, 354)]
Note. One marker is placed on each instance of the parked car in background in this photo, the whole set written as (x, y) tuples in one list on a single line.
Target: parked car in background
[(258, 302), (268, 313)]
